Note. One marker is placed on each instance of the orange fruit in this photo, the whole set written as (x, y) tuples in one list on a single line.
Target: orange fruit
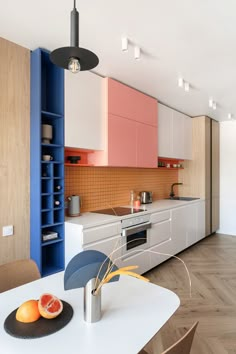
[(28, 311), (49, 306)]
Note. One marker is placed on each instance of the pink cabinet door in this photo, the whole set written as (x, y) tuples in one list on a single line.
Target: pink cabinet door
[(121, 141), (146, 145), (127, 102)]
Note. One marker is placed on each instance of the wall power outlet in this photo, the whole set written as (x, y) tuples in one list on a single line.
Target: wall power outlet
[(7, 230)]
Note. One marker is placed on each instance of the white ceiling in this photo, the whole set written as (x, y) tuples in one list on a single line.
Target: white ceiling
[(195, 39)]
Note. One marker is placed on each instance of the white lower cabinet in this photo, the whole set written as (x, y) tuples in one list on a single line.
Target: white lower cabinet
[(141, 259), (172, 231), (108, 246)]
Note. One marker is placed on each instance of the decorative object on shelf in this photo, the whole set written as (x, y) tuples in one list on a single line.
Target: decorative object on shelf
[(91, 270), (46, 133), (49, 235), (47, 158), (73, 159), (74, 58)]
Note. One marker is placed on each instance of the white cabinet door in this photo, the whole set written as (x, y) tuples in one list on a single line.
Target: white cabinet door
[(178, 135), (84, 118), (201, 220), (179, 228), (174, 134), (108, 246), (165, 131), (191, 224), (142, 260)]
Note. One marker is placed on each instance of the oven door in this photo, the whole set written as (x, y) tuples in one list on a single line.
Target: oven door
[(135, 239)]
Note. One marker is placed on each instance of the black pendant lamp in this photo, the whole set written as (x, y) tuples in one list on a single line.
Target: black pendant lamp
[(74, 58)]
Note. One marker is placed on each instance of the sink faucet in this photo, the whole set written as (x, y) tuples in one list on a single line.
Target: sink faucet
[(172, 194)]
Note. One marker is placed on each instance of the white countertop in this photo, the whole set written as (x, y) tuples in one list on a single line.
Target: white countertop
[(87, 220), (132, 312)]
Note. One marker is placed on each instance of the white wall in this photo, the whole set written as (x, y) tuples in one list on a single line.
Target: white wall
[(228, 178)]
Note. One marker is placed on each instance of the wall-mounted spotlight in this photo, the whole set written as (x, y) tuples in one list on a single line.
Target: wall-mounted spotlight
[(124, 44), (137, 53)]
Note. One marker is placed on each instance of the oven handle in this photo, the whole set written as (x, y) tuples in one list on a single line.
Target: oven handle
[(133, 229)]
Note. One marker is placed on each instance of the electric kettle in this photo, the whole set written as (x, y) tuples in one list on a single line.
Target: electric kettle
[(146, 197), (73, 205)]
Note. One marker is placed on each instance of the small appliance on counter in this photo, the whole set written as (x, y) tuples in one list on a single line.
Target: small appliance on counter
[(73, 205), (146, 197)]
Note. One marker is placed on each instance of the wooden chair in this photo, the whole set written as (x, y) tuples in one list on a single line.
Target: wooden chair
[(17, 273), (183, 345)]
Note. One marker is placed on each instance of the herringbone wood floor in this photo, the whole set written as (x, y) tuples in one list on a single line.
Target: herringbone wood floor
[(212, 267)]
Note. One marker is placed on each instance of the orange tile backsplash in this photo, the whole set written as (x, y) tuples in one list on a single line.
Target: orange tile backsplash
[(103, 187)]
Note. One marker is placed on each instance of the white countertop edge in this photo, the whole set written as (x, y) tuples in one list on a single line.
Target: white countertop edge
[(89, 219)]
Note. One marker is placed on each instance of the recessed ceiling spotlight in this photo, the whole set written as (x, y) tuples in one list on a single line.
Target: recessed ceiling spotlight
[(124, 44), (186, 86), (181, 82), (136, 53)]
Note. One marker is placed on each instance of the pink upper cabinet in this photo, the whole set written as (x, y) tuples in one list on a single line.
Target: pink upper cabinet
[(127, 102), (146, 141), (121, 142)]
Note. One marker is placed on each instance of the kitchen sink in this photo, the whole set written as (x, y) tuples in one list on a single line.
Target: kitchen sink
[(183, 198)]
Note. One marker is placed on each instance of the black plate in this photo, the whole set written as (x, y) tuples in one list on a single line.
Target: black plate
[(40, 328)]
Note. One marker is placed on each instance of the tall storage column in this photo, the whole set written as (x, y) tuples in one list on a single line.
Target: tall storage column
[(47, 164)]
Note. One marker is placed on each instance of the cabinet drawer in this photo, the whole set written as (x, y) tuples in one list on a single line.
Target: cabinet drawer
[(159, 217), (160, 232), (101, 232)]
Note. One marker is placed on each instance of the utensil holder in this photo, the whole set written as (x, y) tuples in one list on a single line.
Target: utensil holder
[(92, 302)]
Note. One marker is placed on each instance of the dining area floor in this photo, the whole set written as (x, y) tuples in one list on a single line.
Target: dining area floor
[(212, 267)]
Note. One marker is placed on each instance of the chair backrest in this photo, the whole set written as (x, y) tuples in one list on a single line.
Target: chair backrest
[(17, 273), (183, 345)]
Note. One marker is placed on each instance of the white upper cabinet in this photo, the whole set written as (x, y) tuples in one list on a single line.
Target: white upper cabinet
[(84, 111), (174, 133), (165, 133)]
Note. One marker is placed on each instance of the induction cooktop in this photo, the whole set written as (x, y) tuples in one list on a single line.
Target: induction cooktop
[(118, 211)]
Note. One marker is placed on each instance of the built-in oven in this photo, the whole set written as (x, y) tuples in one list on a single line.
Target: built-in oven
[(135, 236)]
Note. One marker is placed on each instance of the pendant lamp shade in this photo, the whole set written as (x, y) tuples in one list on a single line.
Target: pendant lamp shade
[(74, 58)]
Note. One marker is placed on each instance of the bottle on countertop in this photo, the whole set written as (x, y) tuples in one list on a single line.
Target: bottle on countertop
[(137, 202), (132, 196)]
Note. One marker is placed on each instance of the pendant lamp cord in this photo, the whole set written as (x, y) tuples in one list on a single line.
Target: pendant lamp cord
[(74, 4)]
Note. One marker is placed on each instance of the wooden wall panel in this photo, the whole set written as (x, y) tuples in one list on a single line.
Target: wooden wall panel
[(102, 187), (14, 149)]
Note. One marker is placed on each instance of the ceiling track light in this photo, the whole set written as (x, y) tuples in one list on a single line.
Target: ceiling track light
[(186, 86), (74, 58), (214, 105), (230, 116), (210, 102), (137, 53), (124, 44), (181, 82)]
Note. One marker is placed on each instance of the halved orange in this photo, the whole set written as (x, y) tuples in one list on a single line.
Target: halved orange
[(49, 306), (28, 312)]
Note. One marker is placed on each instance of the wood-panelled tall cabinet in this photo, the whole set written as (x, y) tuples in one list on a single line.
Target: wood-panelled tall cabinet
[(200, 176)]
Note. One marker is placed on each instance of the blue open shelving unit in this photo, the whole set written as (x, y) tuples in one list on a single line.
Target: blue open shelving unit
[(46, 177)]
